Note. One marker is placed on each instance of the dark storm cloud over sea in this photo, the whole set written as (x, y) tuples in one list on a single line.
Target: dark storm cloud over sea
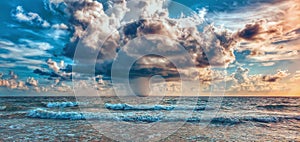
[(256, 36), (255, 41)]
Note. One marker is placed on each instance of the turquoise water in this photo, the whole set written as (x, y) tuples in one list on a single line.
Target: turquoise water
[(63, 118)]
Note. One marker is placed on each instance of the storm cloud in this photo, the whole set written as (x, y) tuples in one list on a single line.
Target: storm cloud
[(106, 31)]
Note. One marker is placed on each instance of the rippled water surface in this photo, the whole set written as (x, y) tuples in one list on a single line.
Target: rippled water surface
[(68, 118)]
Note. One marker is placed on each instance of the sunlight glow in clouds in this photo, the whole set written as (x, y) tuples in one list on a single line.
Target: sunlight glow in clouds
[(262, 34)]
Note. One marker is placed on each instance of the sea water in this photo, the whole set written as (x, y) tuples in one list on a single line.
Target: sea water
[(70, 118)]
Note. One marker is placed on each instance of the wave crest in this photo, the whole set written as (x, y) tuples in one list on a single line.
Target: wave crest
[(150, 118), (61, 104), (154, 107)]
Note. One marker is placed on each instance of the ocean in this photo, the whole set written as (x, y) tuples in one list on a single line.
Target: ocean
[(79, 118), (49, 50)]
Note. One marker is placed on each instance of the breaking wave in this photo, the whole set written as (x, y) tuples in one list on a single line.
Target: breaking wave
[(61, 104), (46, 114), (154, 107), (150, 118), (2, 108)]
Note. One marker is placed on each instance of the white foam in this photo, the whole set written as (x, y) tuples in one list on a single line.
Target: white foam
[(2, 107), (150, 117), (62, 104), (154, 107)]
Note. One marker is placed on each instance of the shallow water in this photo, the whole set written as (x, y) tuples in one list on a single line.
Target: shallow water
[(70, 118)]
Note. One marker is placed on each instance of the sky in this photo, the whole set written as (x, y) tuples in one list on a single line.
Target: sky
[(239, 48)]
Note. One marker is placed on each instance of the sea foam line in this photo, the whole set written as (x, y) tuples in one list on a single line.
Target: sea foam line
[(61, 104), (154, 107), (148, 117)]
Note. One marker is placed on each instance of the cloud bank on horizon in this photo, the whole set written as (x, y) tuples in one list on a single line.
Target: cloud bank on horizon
[(257, 42)]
